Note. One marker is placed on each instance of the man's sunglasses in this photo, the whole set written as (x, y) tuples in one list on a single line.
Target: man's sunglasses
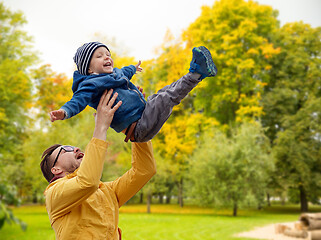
[(67, 149)]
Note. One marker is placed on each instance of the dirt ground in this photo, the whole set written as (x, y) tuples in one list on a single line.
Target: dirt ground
[(268, 232)]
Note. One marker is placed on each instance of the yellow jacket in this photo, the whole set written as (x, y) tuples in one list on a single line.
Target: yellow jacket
[(80, 206)]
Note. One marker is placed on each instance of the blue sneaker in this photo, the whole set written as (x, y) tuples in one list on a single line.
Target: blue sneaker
[(202, 63)]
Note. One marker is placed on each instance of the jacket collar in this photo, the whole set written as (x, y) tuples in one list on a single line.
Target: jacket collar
[(54, 179)]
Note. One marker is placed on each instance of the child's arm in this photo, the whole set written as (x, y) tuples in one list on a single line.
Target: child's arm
[(78, 102), (130, 70)]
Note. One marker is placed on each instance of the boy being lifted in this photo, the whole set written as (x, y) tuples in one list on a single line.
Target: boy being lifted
[(139, 119)]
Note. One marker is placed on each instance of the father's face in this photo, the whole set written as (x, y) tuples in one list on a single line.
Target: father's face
[(69, 158)]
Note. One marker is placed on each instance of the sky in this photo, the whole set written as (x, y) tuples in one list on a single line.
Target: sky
[(59, 27)]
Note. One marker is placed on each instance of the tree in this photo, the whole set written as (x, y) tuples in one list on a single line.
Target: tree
[(16, 57), (15, 90), (179, 135), (297, 150), (176, 143), (52, 91), (232, 172), (292, 108), (294, 74), (8, 195), (238, 34)]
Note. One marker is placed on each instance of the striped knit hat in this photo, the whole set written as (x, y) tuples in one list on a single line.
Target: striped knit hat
[(83, 55)]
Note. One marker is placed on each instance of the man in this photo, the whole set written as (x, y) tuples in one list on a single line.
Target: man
[(79, 205)]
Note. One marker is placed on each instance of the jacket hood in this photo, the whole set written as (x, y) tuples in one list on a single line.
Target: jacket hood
[(78, 78)]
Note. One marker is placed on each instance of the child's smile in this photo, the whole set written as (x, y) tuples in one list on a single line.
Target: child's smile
[(101, 62)]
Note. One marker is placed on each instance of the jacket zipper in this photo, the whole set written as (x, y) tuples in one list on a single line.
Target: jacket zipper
[(135, 92)]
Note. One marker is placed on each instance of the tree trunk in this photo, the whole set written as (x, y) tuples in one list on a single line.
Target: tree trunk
[(303, 199), (161, 197), (141, 200), (149, 201), (34, 197), (268, 199), (180, 193), (168, 193), (235, 210), (168, 198)]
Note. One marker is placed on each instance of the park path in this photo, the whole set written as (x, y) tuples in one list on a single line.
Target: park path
[(268, 232)]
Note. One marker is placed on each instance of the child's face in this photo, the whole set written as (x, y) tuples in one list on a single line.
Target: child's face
[(101, 62)]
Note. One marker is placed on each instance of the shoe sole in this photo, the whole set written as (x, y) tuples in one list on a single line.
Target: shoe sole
[(211, 68)]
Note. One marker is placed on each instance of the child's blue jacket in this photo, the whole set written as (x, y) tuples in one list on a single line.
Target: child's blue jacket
[(87, 90)]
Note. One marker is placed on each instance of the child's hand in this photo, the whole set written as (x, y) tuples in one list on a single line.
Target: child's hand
[(57, 115), (138, 68)]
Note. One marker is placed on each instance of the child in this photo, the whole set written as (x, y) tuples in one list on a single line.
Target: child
[(139, 119)]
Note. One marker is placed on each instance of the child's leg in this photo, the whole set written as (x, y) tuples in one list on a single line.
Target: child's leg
[(159, 106)]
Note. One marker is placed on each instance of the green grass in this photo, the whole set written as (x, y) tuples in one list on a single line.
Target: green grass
[(36, 218), (165, 222)]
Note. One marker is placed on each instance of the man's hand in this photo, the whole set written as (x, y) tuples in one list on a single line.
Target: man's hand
[(138, 68), (105, 114), (141, 90), (57, 115)]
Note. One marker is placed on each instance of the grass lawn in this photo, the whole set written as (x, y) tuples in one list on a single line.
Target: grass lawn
[(165, 222)]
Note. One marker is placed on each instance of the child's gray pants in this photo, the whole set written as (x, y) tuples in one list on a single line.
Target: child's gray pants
[(159, 106)]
